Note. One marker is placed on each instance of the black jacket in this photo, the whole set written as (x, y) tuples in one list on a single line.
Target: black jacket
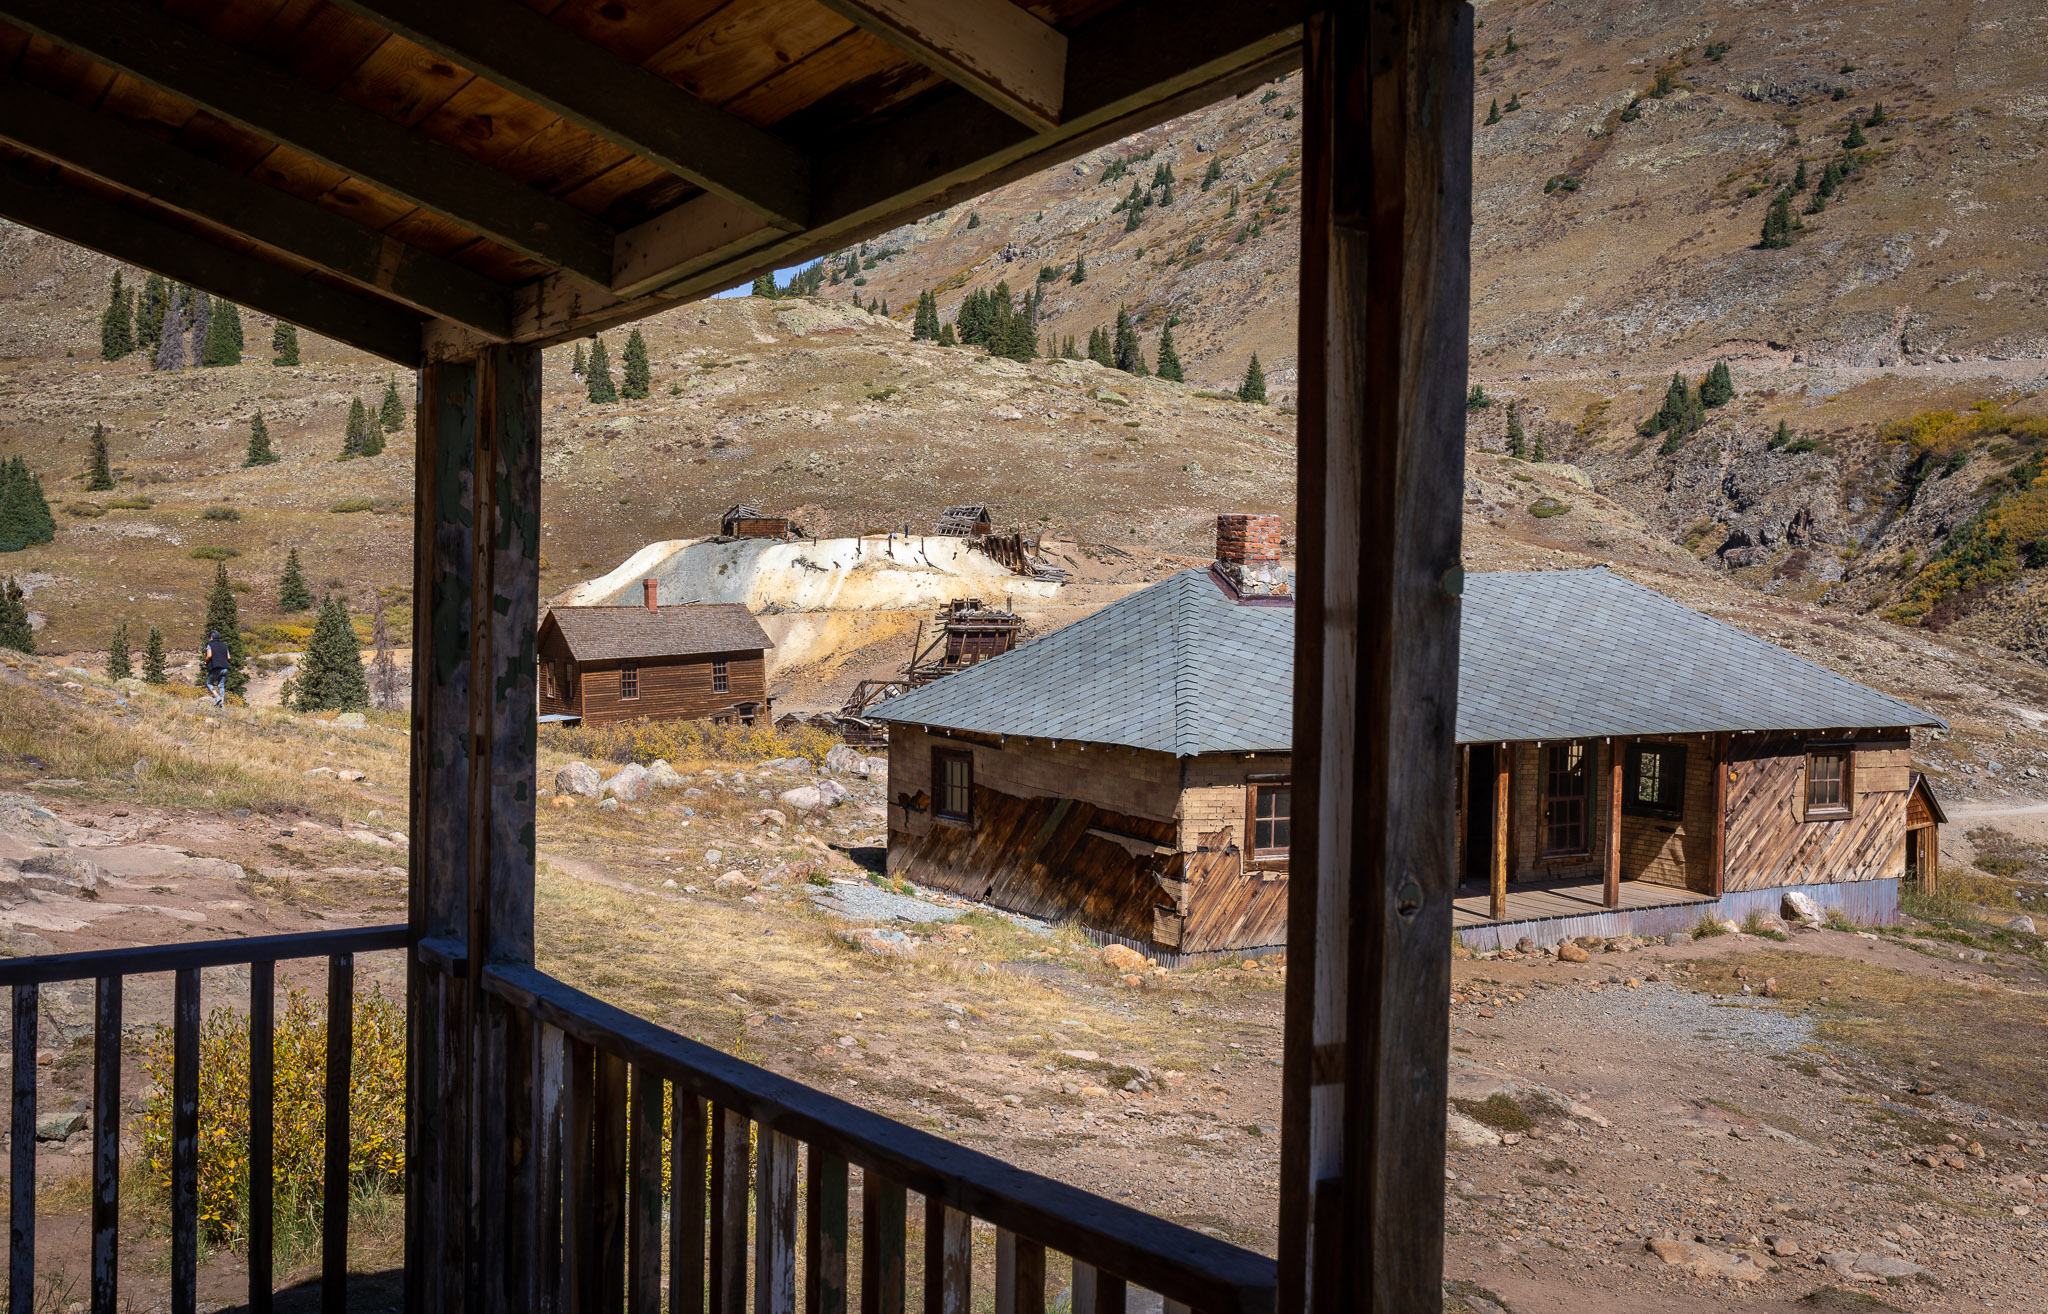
[(217, 657)]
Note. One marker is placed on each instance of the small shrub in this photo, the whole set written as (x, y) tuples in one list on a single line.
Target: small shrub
[(84, 510), (1543, 508), (1707, 928), (214, 552), (1755, 924), (350, 505), (683, 741), (1498, 1111), (128, 503), (220, 513)]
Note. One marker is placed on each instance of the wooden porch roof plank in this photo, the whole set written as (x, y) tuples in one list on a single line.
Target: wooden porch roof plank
[(1002, 53), (180, 59)]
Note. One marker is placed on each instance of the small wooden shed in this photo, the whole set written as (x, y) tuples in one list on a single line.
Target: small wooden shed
[(965, 522), (749, 522), (691, 661)]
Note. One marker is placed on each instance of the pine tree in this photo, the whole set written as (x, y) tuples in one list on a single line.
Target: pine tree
[(924, 324), (373, 436), (1169, 359), (576, 365), (1100, 349), (1517, 444), (598, 376), (1799, 178), (118, 665), (154, 659), (1778, 223), (292, 593), (1080, 274), (1019, 340), (1781, 437), (391, 411), (330, 675), (1718, 388), (1125, 349), (1212, 173), (170, 343), (1477, 400), (1253, 389), (1855, 137), (1830, 180), (946, 338), (974, 219), (1536, 447), (1134, 208), (224, 618), (16, 632), (200, 322), (1681, 415), (223, 342), (284, 340), (384, 678), (1068, 351), (764, 286), (353, 437), (1514, 102), (1512, 45), (635, 381), (149, 315), (25, 518), (99, 475), (117, 325), (1877, 116), (259, 444), (1493, 112)]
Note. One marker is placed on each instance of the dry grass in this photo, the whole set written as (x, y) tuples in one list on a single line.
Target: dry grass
[(685, 741)]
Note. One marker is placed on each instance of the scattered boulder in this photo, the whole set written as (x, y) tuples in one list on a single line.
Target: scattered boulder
[(1705, 1261), (842, 758), (804, 798), (875, 769), (131, 686), (770, 817), (1571, 953), (1799, 907), (734, 882), (663, 775), (2022, 923), (579, 778), (1677, 940), (59, 1126), (351, 721), (1862, 1266), (1122, 958), (62, 871), (607, 804), (833, 793), (632, 783), (1468, 1133), (879, 941)]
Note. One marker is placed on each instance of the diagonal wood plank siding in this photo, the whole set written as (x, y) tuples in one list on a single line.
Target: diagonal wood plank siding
[(1771, 844)]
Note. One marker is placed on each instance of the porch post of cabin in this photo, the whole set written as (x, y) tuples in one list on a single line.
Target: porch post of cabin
[(1719, 874), (1610, 892), (1497, 899), (475, 600), (1386, 219)]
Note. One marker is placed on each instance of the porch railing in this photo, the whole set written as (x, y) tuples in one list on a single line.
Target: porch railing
[(107, 969)]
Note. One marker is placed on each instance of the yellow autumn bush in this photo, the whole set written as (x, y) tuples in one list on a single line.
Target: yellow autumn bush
[(643, 741), (376, 1110)]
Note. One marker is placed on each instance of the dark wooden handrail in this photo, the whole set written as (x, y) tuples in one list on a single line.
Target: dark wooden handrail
[(107, 969), (1185, 1267)]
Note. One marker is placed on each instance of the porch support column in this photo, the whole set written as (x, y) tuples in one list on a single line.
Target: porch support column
[(1386, 218), (1720, 859), (475, 601), (1610, 893), (1497, 902)]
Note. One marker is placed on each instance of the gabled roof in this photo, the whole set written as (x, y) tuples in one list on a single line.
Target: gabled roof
[(1580, 654), (1925, 788), (599, 634), (1179, 668)]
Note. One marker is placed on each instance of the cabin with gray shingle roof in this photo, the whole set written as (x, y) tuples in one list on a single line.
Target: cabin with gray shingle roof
[(1627, 766), (688, 661)]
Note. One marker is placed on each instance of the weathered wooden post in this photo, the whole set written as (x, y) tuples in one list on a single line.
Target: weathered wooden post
[(1497, 901), (1610, 885), (1386, 193), (470, 1194)]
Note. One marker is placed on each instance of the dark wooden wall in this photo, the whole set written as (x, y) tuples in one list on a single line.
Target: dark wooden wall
[(1772, 843), (671, 689)]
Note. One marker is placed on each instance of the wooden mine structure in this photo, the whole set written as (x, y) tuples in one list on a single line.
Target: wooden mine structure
[(964, 634), (746, 522), (965, 522), (452, 185)]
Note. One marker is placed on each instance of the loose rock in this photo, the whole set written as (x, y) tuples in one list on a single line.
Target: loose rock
[(579, 778)]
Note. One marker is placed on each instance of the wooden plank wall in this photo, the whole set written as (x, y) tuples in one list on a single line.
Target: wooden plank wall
[(1226, 905), (1771, 844), (674, 689), (1678, 853)]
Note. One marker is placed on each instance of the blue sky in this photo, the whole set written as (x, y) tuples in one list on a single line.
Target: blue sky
[(782, 277)]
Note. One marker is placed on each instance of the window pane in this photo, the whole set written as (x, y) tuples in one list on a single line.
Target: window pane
[(1279, 836)]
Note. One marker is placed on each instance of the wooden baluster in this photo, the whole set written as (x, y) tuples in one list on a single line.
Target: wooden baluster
[(686, 1171), (643, 1272), (21, 1157), (341, 1030), (1096, 1292), (185, 1143), (550, 1078), (775, 1177), (1020, 1274), (948, 1258), (825, 1231), (728, 1212), (609, 1183), (579, 1212), (262, 1133), (106, 1144), (883, 1227)]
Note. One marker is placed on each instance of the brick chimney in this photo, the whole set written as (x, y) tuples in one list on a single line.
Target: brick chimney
[(647, 590), (1245, 540)]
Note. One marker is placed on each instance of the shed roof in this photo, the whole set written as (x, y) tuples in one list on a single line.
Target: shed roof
[(599, 634), (1583, 654)]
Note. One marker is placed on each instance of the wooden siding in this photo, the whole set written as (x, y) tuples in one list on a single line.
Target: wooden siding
[(1675, 852), (671, 689), (1771, 843)]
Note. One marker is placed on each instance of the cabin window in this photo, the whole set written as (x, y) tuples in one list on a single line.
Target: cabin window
[(1827, 782), (629, 680), (547, 680), (953, 785), (719, 681), (1565, 775), (1655, 786), (1272, 810)]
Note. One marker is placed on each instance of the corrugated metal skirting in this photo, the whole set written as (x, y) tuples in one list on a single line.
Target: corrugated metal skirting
[(1867, 903)]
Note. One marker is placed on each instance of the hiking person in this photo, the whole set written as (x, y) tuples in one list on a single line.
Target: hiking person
[(217, 663)]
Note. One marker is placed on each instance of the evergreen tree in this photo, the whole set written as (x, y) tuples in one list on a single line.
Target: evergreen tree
[(15, 630), (946, 338), (391, 411), (149, 315), (598, 377), (1068, 351), (1817, 204), (354, 436), (200, 323), (170, 344), (764, 286), (1681, 415), (1799, 178), (1512, 45), (1080, 274), (1134, 208), (117, 325), (284, 340), (1877, 116), (99, 476), (118, 665), (1830, 180), (1100, 349), (1536, 447), (635, 382), (884, 311), (1718, 388), (1781, 437), (1493, 112), (974, 219), (292, 593), (576, 365), (1855, 137), (1253, 389), (1125, 348), (1169, 359), (373, 436), (1212, 173), (330, 674), (224, 618), (924, 325), (259, 444), (1517, 444), (384, 678), (852, 269), (1019, 340), (25, 518), (223, 342), (154, 659), (1477, 400), (1514, 102), (1778, 223)]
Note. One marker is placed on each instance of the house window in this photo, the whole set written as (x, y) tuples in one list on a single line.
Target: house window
[(719, 682), (1656, 781), (1828, 786), (953, 785), (629, 680), (1272, 810), (1565, 774), (547, 679)]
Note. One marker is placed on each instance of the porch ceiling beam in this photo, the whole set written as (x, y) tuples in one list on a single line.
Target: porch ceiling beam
[(98, 145), (523, 51), (176, 57), (44, 203), (1000, 52)]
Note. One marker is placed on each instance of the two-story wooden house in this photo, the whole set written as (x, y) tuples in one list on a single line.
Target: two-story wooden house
[(690, 661)]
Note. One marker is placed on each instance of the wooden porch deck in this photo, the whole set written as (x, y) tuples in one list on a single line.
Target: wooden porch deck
[(1533, 902)]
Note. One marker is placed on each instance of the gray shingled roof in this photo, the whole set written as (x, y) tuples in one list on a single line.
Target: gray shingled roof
[(1575, 654), (598, 634), (1578, 654), (1178, 667)]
